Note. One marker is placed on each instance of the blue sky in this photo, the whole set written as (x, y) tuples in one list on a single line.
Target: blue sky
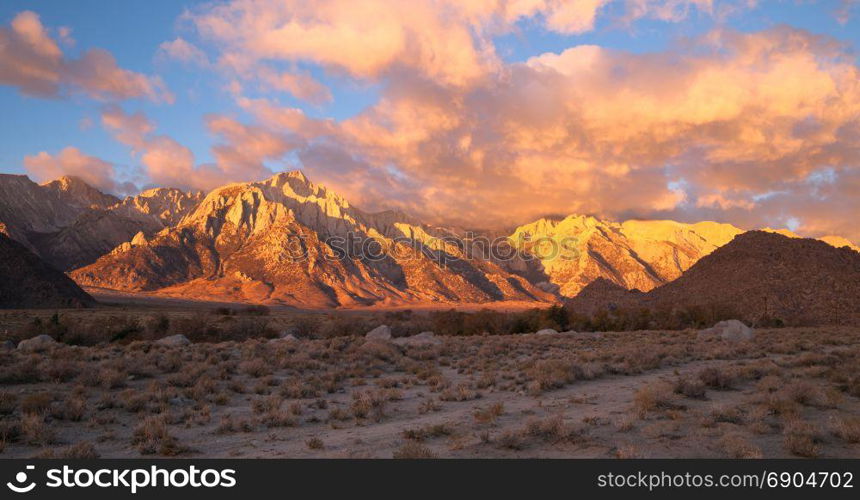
[(133, 30)]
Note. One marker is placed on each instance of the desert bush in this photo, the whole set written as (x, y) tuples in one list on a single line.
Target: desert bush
[(717, 378), (653, 397), (801, 438), (694, 389), (737, 446), (152, 436), (846, 428), (37, 403), (35, 430), (8, 402), (82, 450), (413, 450)]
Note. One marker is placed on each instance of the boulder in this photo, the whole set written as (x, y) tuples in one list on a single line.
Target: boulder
[(38, 343), (382, 332), (174, 341), (421, 340), (547, 331), (286, 338), (289, 332), (732, 330)]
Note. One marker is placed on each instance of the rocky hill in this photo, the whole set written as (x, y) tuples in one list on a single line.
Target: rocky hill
[(286, 240), (26, 281), (566, 255), (569, 254), (758, 275)]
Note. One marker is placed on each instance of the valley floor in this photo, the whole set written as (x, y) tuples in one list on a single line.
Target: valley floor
[(789, 392)]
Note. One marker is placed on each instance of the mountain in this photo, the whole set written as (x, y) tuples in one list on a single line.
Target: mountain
[(570, 253), (757, 275), (26, 281), (70, 224), (76, 193), (287, 240), (566, 255)]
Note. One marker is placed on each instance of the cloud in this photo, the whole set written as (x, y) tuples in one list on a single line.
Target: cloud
[(447, 41), (728, 124), (302, 85), (32, 61), (183, 51), (72, 162), (241, 153)]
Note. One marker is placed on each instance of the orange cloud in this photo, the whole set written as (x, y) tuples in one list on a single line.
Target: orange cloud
[(71, 161), (714, 127), (32, 61)]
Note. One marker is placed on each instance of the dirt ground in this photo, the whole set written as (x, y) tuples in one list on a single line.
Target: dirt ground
[(788, 392)]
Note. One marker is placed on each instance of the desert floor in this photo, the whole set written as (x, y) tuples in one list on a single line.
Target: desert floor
[(789, 392)]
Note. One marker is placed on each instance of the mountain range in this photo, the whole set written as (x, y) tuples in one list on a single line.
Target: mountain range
[(757, 276), (286, 240)]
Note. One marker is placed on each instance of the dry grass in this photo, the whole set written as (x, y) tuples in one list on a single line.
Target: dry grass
[(653, 398), (738, 446), (331, 388), (414, 450)]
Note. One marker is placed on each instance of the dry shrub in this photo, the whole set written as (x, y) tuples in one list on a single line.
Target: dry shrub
[(73, 409), (552, 429), (39, 402), (727, 414), (490, 414), (35, 430), (267, 405), (82, 450), (461, 393), (717, 378), (152, 436), (628, 452), (800, 438), (315, 443), (510, 440), (255, 368), (428, 432), (8, 403), (652, 398), (112, 378), (847, 428), (737, 446), (414, 450), (694, 389)]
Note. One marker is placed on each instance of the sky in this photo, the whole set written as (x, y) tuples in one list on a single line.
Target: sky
[(485, 113)]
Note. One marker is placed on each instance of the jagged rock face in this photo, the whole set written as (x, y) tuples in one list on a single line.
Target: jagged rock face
[(26, 281), (573, 252), (283, 240), (757, 275), (168, 205), (76, 193), (70, 224)]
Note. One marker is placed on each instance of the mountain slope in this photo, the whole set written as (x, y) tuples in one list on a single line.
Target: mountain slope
[(70, 224), (287, 240), (571, 253), (26, 281), (757, 275)]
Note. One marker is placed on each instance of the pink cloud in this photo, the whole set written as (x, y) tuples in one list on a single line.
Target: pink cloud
[(32, 61), (72, 162)]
